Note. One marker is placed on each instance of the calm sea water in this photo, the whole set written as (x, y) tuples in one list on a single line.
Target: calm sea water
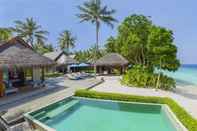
[(185, 76)]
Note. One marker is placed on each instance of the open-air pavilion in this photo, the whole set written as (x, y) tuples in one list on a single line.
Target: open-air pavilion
[(80, 67), (110, 62), (18, 62)]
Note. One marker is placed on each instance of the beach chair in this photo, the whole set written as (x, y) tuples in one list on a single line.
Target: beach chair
[(85, 75), (73, 77), (9, 88)]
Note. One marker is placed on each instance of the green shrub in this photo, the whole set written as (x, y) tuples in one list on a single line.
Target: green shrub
[(116, 71), (142, 77), (188, 121), (53, 74)]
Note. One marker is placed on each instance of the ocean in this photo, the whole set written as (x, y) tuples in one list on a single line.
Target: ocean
[(186, 75)]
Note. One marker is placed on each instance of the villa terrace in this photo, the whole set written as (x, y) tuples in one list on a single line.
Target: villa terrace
[(17, 58)]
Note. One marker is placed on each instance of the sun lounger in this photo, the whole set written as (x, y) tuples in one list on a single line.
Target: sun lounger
[(79, 75), (9, 88), (85, 75), (73, 77)]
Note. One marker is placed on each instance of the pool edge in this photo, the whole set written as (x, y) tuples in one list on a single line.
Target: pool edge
[(43, 127)]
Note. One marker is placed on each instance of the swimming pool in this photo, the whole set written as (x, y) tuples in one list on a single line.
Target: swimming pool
[(186, 75), (76, 114)]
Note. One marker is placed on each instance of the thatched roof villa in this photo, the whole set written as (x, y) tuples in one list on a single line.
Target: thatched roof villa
[(17, 53), (62, 59), (111, 61), (17, 59)]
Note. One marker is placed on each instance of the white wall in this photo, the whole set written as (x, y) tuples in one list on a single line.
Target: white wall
[(61, 60), (36, 74)]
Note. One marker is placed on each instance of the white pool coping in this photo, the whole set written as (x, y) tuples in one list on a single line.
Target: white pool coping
[(172, 117), (38, 123)]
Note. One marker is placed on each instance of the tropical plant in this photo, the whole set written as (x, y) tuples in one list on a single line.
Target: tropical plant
[(93, 11), (66, 41), (82, 56), (5, 34), (144, 43), (111, 45), (43, 48), (30, 31), (139, 76), (88, 55)]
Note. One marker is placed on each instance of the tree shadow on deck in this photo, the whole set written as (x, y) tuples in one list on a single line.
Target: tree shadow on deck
[(186, 89)]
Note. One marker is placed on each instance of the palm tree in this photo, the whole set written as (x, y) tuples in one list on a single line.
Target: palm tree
[(5, 34), (30, 31), (111, 45), (95, 13), (66, 40)]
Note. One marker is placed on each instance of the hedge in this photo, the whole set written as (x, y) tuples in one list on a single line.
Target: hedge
[(53, 74), (188, 121)]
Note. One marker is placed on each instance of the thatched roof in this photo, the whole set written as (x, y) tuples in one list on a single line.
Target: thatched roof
[(111, 59), (53, 55), (61, 58), (17, 53), (67, 60)]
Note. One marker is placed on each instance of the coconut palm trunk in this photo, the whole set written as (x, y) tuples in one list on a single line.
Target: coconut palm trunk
[(97, 36), (93, 11), (159, 75), (97, 45)]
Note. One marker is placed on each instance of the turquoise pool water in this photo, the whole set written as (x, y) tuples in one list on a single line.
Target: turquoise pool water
[(186, 75), (93, 115)]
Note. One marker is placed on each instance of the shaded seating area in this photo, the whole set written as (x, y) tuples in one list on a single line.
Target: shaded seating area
[(20, 66), (112, 63), (79, 71), (80, 67), (78, 75)]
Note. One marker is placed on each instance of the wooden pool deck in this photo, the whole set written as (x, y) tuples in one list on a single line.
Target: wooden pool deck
[(56, 89)]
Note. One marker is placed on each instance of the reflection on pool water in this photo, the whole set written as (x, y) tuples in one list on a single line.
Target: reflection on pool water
[(92, 115)]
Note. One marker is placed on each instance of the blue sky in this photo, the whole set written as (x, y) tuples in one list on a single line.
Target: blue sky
[(57, 15)]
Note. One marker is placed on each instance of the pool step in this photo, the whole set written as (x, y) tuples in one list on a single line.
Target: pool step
[(39, 115), (44, 118), (62, 108)]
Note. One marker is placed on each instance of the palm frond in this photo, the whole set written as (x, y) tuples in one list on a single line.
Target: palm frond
[(66, 40), (108, 20), (42, 32), (30, 31)]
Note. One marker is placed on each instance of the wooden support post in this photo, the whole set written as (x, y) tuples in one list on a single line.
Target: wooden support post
[(95, 70), (32, 76), (43, 79), (2, 86)]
